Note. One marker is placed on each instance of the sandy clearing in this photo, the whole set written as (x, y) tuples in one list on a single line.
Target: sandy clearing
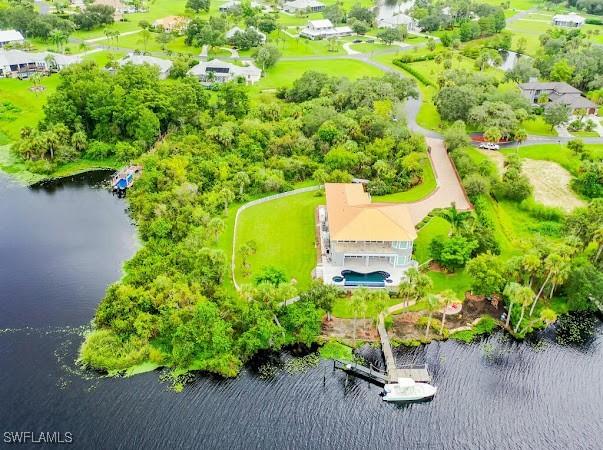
[(551, 181)]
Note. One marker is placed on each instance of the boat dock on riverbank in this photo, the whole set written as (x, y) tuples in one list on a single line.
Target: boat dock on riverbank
[(418, 372), (124, 179)]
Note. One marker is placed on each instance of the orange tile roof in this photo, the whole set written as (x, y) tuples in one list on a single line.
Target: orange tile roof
[(352, 216)]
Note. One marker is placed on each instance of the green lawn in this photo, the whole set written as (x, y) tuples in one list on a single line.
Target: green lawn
[(459, 282), (538, 126), (437, 226), (285, 72), (344, 309), (415, 193), (157, 10), (283, 231), (20, 107), (557, 153)]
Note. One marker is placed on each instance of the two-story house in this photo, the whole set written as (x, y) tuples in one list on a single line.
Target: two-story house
[(363, 243)]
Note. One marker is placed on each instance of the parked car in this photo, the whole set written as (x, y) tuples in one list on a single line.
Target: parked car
[(370, 41), (357, 41), (489, 146)]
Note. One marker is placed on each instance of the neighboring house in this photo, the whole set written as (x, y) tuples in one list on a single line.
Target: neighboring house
[(571, 20), (398, 20), (234, 30), (17, 63), (232, 4), (303, 6), (120, 8), (320, 29), (217, 71), (10, 37), (172, 24), (557, 92), (363, 243), (164, 65)]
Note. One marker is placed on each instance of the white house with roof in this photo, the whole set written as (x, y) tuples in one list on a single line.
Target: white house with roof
[(322, 29), (10, 37), (363, 243), (232, 4), (571, 20), (303, 6), (164, 65), (399, 20), (18, 63), (217, 71), (557, 92)]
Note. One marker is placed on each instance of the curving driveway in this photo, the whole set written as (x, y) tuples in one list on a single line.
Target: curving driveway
[(449, 189)]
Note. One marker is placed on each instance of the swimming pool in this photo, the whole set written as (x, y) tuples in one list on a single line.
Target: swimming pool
[(371, 279)]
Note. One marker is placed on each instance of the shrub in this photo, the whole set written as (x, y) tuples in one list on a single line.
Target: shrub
[(98, 150), (41, 166), (540, 211), (104, 350), (419, 76)]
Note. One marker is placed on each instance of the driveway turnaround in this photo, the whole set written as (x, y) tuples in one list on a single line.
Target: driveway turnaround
[(448, 190)]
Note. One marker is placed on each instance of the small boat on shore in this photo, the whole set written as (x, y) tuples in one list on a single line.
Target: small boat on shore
[(407, 390), (124, 179)]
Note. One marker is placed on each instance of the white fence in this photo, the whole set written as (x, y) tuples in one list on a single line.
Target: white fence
[(249, 205)]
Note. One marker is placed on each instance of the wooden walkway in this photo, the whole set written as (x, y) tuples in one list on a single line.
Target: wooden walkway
[(418, 373)]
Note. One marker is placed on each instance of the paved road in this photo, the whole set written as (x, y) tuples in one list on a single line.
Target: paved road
[(449, 190)]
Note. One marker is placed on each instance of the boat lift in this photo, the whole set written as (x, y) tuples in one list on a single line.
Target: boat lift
[(124, 179)]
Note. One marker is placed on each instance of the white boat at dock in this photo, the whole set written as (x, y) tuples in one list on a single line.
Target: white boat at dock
[(406, 390)]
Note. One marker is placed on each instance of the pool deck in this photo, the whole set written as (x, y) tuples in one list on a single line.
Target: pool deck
[(329, 271)]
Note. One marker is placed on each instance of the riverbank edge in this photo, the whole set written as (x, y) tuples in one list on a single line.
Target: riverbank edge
[(17, 172)]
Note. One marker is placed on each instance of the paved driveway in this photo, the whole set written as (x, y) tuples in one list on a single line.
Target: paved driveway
[(449, 189)]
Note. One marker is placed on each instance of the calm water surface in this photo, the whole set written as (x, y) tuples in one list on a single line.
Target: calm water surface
[(61, 246)]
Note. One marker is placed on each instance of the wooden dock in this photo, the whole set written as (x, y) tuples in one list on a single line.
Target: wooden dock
[(368, 373), (419, 373)]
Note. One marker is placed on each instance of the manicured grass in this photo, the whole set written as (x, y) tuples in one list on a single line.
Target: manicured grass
[(157, 10), (283, 231), (428, 116), (538, 126), (584, 133), (459, 282), (285, 72), (344, 308), (557, 153), (102, 58), (437, 226), (415, 193), (29, 104), (299, 46)]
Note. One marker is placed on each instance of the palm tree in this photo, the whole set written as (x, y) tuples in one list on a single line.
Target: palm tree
[(358, 297), (455, 217), (511, 293), (433, 303), (242, 179), (530, 264), (556, 267), (523, 296), (145, 36), (58, 38), (598, 241), (215, 227), (226, 196)]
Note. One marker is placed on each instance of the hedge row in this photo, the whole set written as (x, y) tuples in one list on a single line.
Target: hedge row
[(594, 21), (413, 72), (416, 58)]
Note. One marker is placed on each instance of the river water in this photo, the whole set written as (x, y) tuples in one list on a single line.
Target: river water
[(60, 247)]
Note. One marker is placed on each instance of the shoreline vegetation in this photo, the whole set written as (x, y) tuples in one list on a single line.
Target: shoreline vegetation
[(511, 263)]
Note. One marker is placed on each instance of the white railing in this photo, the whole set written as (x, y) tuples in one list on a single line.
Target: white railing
[(258, 202)]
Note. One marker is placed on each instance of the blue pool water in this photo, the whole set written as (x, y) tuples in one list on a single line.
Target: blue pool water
[(372, 279)]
